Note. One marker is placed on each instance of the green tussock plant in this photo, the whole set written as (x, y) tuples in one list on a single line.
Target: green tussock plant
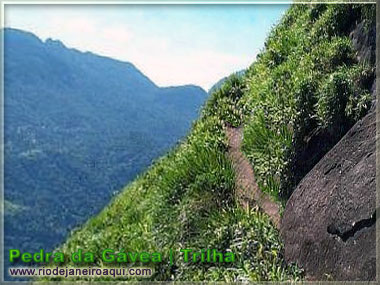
[(228, 109)]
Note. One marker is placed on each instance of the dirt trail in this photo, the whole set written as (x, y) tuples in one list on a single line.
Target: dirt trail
[(247, 191)]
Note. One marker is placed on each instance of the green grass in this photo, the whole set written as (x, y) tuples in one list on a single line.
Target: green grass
[(305, 82)]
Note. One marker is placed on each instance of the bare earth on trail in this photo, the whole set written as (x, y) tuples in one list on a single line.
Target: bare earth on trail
[(248, 192)]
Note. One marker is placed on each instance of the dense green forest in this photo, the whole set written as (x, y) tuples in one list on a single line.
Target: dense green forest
[(78, 127), (300, 96)]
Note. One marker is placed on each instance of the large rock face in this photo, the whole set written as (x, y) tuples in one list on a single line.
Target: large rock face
[(328, 225), (364, 41)]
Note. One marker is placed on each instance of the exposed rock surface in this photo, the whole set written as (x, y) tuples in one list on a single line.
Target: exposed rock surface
[(364, 41), (328, 225)]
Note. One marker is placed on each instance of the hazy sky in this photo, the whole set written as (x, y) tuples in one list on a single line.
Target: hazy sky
[(171, 44)]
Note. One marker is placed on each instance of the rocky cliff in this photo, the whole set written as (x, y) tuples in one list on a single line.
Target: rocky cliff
[(328, 225)]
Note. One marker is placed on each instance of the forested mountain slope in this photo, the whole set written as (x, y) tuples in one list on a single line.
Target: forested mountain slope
[(78, 127), (304, 92)]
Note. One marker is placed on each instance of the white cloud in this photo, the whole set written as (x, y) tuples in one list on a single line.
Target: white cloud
[(204, 68), (168, 53)]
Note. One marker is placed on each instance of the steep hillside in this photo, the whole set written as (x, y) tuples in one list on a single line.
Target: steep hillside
[(186, 201), (304, 92), (78, 127)]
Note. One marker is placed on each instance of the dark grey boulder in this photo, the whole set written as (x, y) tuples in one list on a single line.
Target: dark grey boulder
[(364, 42), (328, 226)]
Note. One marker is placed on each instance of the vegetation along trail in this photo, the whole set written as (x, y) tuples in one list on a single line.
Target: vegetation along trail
[(248, 192)]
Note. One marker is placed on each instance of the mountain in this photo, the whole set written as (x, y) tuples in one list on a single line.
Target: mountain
[(306, 89), (78, 126)]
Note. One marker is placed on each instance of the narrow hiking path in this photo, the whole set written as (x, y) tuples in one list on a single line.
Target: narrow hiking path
[(248, 192)]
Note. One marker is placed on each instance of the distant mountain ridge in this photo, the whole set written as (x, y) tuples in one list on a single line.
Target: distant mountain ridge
[(78, 127)]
